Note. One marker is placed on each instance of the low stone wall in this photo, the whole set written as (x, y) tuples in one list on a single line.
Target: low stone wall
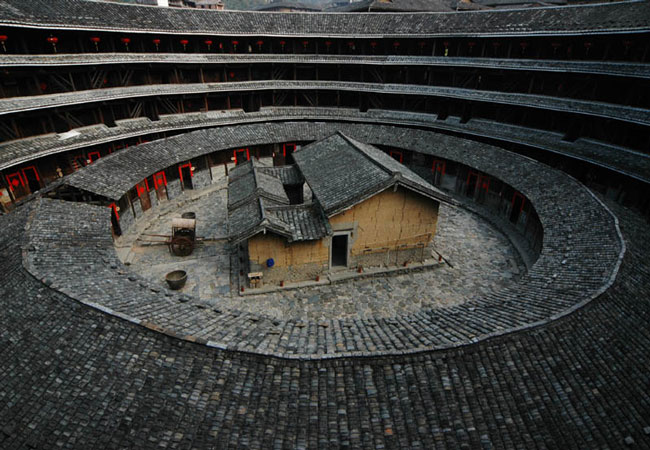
[(290, 274), (394, 257)]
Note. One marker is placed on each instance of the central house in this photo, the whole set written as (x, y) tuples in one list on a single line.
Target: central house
[(365, 210)]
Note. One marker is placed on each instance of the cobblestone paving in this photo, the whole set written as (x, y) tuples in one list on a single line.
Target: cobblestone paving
[(208, 267), (482, 258)]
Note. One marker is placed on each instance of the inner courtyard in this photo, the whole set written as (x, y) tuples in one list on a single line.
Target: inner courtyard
[(482, 260)]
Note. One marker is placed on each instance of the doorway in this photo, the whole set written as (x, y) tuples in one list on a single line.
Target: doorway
[(241, 155), (287, 152), (115, 220), (143, 193), (339, 250), (472, 181), (160, 185), (32, 178), (517, 206), (186, 176)]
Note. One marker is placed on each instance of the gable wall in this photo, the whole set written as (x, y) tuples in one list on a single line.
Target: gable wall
[(387, 221)]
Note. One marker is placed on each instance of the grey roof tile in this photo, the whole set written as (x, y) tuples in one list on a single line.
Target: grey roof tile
[(79, 14), (342, 172)]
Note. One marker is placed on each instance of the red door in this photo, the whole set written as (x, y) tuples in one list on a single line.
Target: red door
[(438, 169), (31, 178), (160, 185), (93, 156), (241, 155), (186, 173), (143, 193), (16, 184), (287, 152)]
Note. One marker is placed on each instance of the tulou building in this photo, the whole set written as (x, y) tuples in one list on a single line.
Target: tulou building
[(372, 225)]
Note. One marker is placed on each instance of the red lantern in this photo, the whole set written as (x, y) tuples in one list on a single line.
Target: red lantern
[(184, 43), (125, 41), (305, 44), (395, 44), (208, 42), (3, 39), (259, 45), (95, 40), (234, 45), (53, 40)]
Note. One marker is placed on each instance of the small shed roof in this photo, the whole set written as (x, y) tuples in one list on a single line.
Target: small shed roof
[(246, 182), (258, 203)]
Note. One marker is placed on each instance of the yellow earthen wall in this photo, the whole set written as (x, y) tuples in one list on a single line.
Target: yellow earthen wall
[(389, 219), (265, 246)]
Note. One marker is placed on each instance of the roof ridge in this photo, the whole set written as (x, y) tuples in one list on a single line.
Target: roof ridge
[(395, 174)]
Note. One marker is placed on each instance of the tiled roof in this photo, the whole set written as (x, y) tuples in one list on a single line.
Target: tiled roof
[(246, 182), (257, 202), (306, 221), (342, 172), (80, 378), (620, 159), (90, 15), (289, 175)]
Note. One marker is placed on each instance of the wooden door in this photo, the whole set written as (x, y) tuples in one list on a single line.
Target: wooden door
[(143, 193)]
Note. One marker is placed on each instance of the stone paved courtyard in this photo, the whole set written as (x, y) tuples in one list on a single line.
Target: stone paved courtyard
[(482, 258)]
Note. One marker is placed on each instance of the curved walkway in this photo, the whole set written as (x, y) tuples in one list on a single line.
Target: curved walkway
[(591, 108), (579, 258), (613, 68)]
